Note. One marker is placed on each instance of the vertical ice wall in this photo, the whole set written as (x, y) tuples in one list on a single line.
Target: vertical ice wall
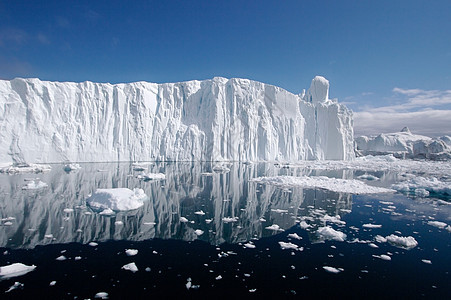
[(217, 119)]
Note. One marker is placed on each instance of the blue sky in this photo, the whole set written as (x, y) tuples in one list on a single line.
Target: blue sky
[(389, 61)]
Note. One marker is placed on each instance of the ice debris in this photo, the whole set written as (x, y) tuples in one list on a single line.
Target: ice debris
[(15, 270), (130, 267)]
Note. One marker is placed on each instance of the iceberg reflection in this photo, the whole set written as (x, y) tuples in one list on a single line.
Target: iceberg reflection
[(193, 198)]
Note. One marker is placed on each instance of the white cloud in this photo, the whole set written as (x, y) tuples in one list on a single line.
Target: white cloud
[(426, 112)]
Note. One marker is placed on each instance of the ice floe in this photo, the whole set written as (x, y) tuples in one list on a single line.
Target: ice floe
[(101, 295), (15, 270), (117, 199), (285, 246), (371, 225), (352, 186), (16, 285), (24, 168), (437, 224)]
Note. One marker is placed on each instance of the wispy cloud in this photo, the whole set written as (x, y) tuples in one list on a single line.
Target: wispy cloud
[(12, 37), (425, 112)]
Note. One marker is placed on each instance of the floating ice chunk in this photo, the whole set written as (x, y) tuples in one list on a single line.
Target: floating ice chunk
[(61, 258), (229, 219), (402, 242), (438, 224), (118, 223), (280, 211), (107, 212), (249, 245), (352, 186), (93, 244), (294, 236), (183, 220), (372, 245), (368, 177), (304, 225), (332, 269), (380, 239), (68, 210), (274, 227), (32, 185), (71, 167), (285, 246), (48, 236), (118, 199), (15, 270), (7, 223), (101, 295), (190, 285), (208, 221), (130, 267), (152, 176), (131, 252), (77, 258), (371, 226), (200, 213), (219, 277), (207, 174), (332, 219), (427, 261), (16, 285), (383, 257), (198, 232), (328, 233), (52, 283)]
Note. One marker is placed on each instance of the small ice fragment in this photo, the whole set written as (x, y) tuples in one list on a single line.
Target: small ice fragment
[(101, 295), (385, 257), (200, 213), (52, 283), (380, 239), (331, 269), (427, 261), (68, 210), (118, 223), (229, 219), (285, 246), (93, 244), (249, 245), (147, 269), (371, 226), (372, 245), (107, 212), (61, 258), (295, 236), (183, 219), (32, 185), (219, 277), (208, 221), (280, 211), (198, 232), (131, 252), (16, 285), (130, 267), (48, 236), (262, 220), (274, 227), (252, 290), (77, 257), (7, 223), (149, 223)]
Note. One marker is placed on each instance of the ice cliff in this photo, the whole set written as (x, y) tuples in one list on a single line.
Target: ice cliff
[(405, 144), (217, 119)]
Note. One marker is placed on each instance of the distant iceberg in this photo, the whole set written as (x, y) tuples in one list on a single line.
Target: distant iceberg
[(405, 144)]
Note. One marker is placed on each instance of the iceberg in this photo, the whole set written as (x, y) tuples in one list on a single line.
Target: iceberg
[(405, 144), (211, 120)]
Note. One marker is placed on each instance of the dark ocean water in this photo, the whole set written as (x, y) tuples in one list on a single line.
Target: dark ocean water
[(236, 255)]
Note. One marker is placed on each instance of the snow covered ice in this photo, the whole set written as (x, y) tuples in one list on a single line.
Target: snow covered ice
[(217, 119)]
